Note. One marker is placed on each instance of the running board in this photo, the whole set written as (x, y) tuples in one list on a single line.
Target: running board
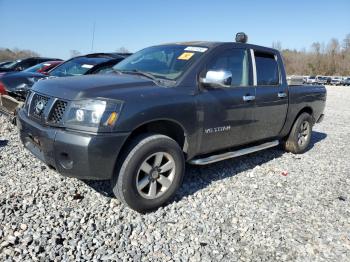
[(240, 152)]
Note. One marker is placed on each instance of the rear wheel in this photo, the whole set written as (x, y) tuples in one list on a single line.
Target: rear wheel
[(150, 172), (300, 135)]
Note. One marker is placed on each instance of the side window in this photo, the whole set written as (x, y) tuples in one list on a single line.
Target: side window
[(267, 72), (234, 61), (25, 64)]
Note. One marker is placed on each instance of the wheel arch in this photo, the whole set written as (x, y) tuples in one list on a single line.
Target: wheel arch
[(167, 127), (305, 109)]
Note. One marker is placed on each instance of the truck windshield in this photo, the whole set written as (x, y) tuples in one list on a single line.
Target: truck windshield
[(165, 62)]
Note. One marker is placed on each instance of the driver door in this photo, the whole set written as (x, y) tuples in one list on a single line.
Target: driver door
[(225, 116)]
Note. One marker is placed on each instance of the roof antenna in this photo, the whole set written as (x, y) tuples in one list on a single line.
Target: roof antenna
[(241, 38)]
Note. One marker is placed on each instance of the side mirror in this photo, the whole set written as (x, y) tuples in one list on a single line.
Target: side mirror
[(217, 79)]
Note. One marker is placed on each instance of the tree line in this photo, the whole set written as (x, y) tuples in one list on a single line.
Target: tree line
[(7, 54), (328, 59)]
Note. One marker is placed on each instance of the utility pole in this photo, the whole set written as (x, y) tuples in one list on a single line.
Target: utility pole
[(93, 37)]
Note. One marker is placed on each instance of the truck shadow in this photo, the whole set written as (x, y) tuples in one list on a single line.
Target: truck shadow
[(199, 177)]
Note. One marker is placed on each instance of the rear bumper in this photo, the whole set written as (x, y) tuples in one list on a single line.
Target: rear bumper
[(73, 154)]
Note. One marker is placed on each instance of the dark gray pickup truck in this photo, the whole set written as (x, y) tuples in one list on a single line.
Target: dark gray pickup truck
[(195, 102)]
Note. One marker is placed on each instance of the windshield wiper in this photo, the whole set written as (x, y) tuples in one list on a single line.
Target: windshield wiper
[(137, 72), (159, 80)]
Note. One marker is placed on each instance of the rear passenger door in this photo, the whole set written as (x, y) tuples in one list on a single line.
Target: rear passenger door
[(271, 101)]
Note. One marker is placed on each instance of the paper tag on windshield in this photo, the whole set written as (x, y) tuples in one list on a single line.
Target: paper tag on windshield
[(87, 66), (196, 49), (47, 64), (185, 56)]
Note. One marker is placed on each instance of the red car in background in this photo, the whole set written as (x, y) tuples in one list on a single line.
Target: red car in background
[(44, 67)]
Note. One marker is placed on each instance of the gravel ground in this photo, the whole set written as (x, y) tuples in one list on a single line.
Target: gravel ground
[(266, 206)]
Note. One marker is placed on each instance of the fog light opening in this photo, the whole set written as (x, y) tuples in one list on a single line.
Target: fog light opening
[(65, 161)]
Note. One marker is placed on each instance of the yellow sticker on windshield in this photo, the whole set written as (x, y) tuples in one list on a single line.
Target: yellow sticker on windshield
[(185, 56)]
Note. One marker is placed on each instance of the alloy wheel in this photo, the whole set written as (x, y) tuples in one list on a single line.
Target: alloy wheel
[(304, 133), (155, 175)]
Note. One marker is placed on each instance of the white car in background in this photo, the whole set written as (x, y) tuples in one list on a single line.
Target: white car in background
[(346, 81), (311, 80), (321, 80), (305, 79), (336, 80), (295, 80)]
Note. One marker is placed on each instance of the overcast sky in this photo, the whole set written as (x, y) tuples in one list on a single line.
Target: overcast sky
[(53, 28)]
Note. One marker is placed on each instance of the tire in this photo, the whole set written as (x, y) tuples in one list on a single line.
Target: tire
[(300, 135), (149, 172)]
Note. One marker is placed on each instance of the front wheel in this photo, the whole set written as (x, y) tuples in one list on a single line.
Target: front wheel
[(150, 172), (300, 135)]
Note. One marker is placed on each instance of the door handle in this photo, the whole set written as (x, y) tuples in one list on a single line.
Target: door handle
[(248, 98), (282, 94)]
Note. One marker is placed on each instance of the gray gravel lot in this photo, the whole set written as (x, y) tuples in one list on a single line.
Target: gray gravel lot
[(266, 206)]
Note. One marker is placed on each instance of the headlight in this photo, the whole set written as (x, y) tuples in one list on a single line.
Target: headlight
[(93, 113)]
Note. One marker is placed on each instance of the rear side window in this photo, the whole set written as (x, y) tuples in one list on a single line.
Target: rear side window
[(267, 72)]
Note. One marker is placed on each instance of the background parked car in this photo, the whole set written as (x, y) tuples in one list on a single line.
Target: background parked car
[(336, 80), (43, 68), (346, 81), (305, 79), (321, 80), (88, 64), (311, 80), (4, 63), (19, 65), (17, 84), (21, 80), (343, 80)]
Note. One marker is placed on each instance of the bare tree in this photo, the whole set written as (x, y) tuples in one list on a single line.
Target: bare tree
[(346, 43), (316, 47), (8, 54), (74, 53), (321, 59), (277, 45), (122, 50), (333, 46)]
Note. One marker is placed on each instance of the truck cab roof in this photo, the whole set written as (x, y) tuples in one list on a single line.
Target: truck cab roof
[(210, 44)]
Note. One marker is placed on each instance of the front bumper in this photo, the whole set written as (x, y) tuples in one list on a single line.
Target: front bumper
[(71, 153)]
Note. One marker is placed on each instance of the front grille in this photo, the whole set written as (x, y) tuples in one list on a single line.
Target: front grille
[(57, 112), (38, 105), (44, 109)]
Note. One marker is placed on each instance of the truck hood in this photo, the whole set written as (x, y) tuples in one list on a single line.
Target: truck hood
[(90, 86)]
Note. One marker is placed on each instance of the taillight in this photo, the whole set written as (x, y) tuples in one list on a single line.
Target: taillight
[(2, 89)]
